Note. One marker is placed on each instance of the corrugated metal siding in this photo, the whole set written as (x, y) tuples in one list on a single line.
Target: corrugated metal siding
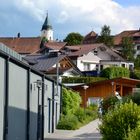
[(2, 71), (17, 102)]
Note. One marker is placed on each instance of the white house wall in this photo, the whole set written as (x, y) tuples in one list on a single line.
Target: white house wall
[(92, 59), (2, 80)]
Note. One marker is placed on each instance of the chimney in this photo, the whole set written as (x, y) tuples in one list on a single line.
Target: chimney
[(18, 35)]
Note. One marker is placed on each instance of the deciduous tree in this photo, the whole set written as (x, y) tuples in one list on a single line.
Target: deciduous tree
[(105, 36), (128, 48), (73, 38)]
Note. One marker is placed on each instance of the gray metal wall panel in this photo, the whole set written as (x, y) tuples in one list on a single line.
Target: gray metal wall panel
[(57, 111), (48, 94), (17, 108), (2, 73), (33, 106)]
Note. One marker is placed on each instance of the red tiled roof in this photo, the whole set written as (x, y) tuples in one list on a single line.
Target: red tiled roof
[(118, 37), (23, 45), (90, 37), (91, 34), (83, 49), (55, 45)]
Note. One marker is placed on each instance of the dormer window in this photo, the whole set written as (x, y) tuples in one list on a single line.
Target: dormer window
[(95, 51)]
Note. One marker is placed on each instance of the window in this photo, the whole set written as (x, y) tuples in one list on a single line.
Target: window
[(138, 47), (95, 51), (86, 66), (123, 65), (97, 67)]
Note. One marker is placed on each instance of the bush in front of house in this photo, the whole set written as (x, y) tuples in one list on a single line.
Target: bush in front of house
[(108, 103), (114, 72), (80, 114), (73, 115), (82, 79), (118, 121), (134, 134), (80, 118), (70, 101), (135, 97), (68, 122), (93, 107), (135, 74)]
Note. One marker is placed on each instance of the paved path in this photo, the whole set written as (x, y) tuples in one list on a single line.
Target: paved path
[(87, 132)]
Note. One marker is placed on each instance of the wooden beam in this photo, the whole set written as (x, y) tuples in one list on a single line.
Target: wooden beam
[(121, 90)]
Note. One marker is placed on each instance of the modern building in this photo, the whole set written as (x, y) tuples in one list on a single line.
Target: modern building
[(30, 102)]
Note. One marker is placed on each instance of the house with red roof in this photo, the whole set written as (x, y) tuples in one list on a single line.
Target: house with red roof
[(134, 34), (95, 57)]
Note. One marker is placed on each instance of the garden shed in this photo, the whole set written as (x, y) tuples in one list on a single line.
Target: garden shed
[(102, 89)]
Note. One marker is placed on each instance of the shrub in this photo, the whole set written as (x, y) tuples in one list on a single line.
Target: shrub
[(117, 122), (135, 74), (114, 72), (68, 122), (89, 113), (71, 101), (80, 114), (82, 79), (108, 103), (134, 134), (92, 107), (136, 98)]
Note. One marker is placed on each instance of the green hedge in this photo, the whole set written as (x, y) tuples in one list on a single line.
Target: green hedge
[(82, 79), (118, 122), (114, 72), (70, 101)]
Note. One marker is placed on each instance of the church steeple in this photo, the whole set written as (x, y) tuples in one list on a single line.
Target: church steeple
[(46, 24), (46, 30)]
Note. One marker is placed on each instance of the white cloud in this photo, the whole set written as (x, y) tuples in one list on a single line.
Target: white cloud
[(84, 13)]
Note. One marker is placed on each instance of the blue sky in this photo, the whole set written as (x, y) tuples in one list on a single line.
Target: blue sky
[(27, 16)]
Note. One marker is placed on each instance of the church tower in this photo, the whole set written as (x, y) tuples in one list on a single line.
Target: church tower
[(47, 30)]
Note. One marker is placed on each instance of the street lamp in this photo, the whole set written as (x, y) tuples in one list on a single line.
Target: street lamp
[(85, 88)]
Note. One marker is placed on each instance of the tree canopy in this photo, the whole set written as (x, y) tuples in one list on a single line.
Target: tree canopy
[(128, 48), (73, 39), (105, 36)]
